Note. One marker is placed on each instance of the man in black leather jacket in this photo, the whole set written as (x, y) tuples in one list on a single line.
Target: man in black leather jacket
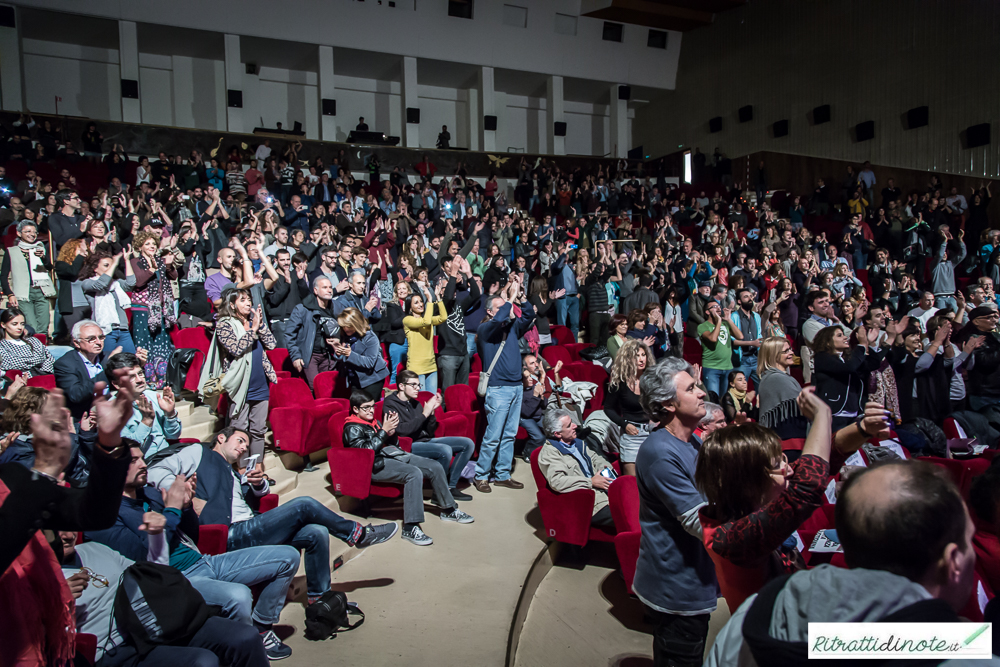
[(393, 464)]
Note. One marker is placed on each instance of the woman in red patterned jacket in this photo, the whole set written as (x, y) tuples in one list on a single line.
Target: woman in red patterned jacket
[(756, 499)]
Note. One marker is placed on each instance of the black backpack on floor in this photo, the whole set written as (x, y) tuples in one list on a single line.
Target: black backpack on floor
[(328, 616), (156, 605)]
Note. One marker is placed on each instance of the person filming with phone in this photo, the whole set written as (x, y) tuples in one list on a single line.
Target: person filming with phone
[(568, 464)]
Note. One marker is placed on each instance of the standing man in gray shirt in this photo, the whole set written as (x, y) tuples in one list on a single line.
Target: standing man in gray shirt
[(675, 576)]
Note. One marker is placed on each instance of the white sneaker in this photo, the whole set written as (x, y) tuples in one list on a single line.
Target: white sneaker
[(456, 515), (417, 536)]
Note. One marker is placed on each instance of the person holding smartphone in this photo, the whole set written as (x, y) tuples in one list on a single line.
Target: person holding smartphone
[(568, 464)]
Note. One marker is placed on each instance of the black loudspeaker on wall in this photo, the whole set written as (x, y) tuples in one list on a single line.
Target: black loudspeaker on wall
[(329, 107), (412, 116), (781, 128), (490, 123), (560, 128), (7, 17), (624, 92), (917, 117), (977, 135), (251, 68), (715, 124), (865, 131), (236, 99), (746, 113), (821, 114), (130, 89)]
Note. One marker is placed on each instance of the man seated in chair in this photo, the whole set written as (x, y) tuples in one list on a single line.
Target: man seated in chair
[(568, 464), (222, 579), (417, 421), (392, 464), (221, 498)]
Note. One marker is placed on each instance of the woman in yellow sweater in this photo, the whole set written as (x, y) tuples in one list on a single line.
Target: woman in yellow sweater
[(419, 325)]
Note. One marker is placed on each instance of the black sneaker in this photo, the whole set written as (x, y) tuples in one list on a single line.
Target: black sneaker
[(376, 534), (458, 495), (417, 536), (456, 515), (273, 646)]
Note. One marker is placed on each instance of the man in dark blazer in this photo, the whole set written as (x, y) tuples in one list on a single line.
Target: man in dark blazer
[(77, 371)]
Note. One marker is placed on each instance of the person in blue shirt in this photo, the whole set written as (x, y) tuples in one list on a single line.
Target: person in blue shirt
[(675, 576), (501, 357)]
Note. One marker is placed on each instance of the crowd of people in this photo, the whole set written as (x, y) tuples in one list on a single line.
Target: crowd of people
[(718, 326)]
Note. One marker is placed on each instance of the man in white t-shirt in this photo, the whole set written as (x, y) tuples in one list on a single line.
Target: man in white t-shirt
[(263, 152), (925, 309)]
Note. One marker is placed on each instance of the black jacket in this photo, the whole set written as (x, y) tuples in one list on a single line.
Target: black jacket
[(412, 422), (37, 503), (390, 326), (364, 436), (81, 456), (282, 297), (72, 377), (842, 383)]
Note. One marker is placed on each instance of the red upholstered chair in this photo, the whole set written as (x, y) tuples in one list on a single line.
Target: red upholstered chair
[(212, 538), (325, 384), (623, 495), (793, 445), (555, 353), (987, 547), (692, 350), (193, 338), (575, 348), (461, 399), (44, 381), (351, 468), (297, 419), (43, 338), (279, 359), (561, 334), (86, 645), (476, 364), (12, 374), (566, 516)]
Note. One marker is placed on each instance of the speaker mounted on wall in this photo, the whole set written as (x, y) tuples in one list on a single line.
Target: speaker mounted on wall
[(821, 114), (7, 17), (412, 116), (917, 117), (624, 92), (780, 128), (329, 107), (235, 99), (864, 131), (130, 89), (746, 113), (559, 128), (715, 124), (490, 123), (251, 68), (977, 135)]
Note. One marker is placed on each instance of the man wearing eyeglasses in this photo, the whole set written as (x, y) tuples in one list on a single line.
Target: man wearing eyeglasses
[(67, 223), (77, 372)]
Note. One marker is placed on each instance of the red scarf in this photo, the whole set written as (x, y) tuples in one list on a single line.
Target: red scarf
[(38, 611)]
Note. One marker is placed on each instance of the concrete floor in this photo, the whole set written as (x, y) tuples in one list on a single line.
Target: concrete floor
[(582, 616), (447, 604)]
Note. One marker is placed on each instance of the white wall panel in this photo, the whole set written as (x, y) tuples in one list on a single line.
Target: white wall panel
[(156, 96), (868, 60), (87, 88)]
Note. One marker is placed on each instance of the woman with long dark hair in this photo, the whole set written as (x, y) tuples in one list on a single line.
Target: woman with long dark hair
[(841, 374), (243, 335), (18, 350)]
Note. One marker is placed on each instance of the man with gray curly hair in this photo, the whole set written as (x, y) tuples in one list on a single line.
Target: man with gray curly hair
[(675, 577)]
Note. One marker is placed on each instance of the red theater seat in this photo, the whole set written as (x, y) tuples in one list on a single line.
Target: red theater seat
[(566, 516)]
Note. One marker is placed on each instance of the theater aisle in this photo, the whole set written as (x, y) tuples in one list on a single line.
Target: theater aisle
[(447, 604), (582, 616)]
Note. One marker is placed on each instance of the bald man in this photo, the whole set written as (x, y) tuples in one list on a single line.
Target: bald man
[(907, 538)]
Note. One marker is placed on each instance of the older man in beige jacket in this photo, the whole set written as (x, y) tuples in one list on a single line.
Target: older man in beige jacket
[(568, 464)]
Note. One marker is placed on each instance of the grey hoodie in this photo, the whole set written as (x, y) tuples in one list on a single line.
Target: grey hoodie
[(826, 594)]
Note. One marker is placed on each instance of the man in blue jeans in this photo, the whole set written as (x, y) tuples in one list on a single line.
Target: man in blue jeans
[(502, 360), (304, 523), (417, 421), (222, 579), (568, 305)]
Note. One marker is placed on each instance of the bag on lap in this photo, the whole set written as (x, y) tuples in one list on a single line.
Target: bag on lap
[(156, 605), (329, 615)]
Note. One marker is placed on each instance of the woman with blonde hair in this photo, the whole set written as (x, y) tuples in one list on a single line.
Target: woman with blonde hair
[(360, 354), (621, 403), (778, 390), (153, 304)]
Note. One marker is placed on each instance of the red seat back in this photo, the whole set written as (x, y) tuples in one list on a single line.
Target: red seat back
[(460, 398), (325, 383), (561, 334), (290, 393), (279, 359), (335, 426), (194, 337), (554, 354), (47, 382), (623, 496)]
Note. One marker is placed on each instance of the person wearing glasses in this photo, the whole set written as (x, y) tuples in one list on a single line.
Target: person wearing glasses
[(393, 464), (984, 369), (67, 223), (77, 372)]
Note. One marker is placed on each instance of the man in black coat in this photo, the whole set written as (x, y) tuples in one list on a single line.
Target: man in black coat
[(77, 372)]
